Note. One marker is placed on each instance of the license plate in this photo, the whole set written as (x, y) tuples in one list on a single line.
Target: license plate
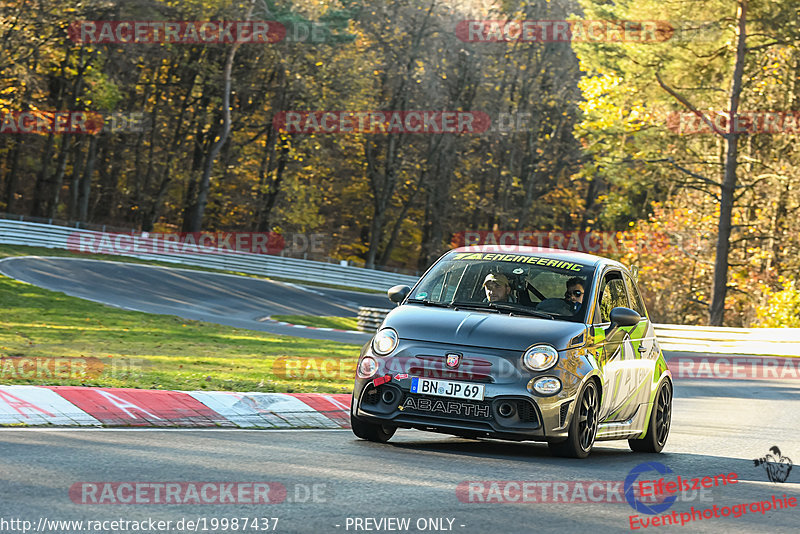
[(446, 388)]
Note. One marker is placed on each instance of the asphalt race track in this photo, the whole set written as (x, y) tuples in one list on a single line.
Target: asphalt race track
[(332, 479), (718, 427), (204, 296)]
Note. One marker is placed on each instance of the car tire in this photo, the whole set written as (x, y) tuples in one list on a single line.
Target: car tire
[(370, 431), (582, 427), (660, 419)]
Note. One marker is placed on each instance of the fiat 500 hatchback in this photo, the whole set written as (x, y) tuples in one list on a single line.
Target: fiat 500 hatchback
[(529, 344)]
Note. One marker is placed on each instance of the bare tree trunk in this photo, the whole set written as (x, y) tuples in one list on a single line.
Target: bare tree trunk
[(11, 178), (195, 216), (269, 198), (182, 126), (270, 174), (382, 194), (42, 192), (58, 179), (107, 201), (74, 186), (85, 186), (440, 162), (717, 309), (40, 188), (201, 139)]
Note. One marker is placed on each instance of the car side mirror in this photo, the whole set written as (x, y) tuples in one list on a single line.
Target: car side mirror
[(398, 294), (621, 316)]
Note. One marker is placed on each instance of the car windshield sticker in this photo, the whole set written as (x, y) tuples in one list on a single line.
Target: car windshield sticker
[(557, 264)]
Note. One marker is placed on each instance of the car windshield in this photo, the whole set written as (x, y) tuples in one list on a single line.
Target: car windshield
[(541, 285)]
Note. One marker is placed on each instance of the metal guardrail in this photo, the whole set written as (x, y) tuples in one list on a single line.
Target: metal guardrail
[(51, 236), (723, 340), (757, 341), (369, 319), (715, 340)]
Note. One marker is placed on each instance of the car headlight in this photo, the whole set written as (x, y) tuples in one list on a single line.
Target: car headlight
[(384, 342), (546, 385), (540, 357), (367, 367)]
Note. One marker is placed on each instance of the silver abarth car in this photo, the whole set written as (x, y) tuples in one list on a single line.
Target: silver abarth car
[(523, 344)]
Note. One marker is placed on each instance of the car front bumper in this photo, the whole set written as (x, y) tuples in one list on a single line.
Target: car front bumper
[(511, 413)]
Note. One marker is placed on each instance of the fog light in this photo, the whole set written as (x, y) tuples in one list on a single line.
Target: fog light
[(547, 385), (367, 367)]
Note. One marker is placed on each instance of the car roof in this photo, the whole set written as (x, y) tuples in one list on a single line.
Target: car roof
[(549, 253)]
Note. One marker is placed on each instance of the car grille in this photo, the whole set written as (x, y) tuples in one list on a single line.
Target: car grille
[(433, 366), (563, 414), (371, 396), (446, 374), (527, 413), (515, 413)]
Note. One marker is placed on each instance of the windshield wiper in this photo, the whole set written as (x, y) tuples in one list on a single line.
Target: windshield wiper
[(511, 307), (474, 306), (488, 306), (427, 302)]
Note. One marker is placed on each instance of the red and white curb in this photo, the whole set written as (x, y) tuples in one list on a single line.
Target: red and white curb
[(86, 406), (268, 319)]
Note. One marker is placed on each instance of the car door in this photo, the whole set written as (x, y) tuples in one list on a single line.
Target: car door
[(645, 347), (616, 351)]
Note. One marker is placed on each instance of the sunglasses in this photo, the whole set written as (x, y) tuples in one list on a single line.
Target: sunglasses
[(575, 292)]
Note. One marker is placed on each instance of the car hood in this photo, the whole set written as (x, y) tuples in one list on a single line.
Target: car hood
[(479, 329)]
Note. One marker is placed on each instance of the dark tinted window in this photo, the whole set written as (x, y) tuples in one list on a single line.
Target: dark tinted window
[(534, 282)]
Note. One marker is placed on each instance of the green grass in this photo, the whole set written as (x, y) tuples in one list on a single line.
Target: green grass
[(121, 348), (342, 323)]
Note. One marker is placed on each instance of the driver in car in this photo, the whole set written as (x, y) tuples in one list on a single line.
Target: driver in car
[(497, 287)]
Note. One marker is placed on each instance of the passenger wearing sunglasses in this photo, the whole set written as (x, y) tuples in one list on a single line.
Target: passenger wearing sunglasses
[(570, 304), (574, 293)]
